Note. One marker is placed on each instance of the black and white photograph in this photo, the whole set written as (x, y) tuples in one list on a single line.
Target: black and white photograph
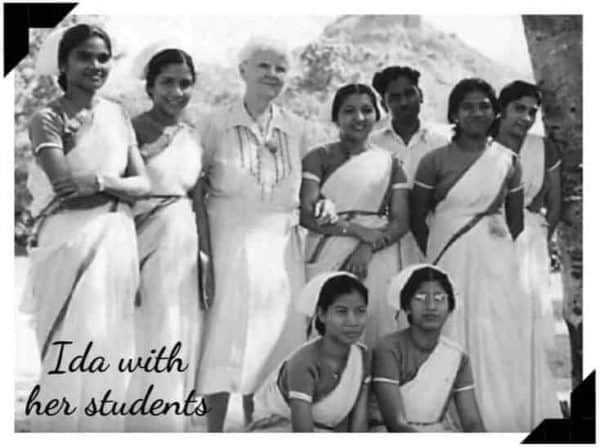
[(230, 222)]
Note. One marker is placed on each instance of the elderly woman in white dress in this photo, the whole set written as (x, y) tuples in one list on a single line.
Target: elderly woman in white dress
[(171, 238), (84, 271), (252, 157)]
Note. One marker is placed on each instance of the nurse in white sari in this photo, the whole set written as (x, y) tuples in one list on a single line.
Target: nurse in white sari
[(169, 306), (84, 270), (519, 102), (322, 386), (370, 193), (417, 373), (473, 189)]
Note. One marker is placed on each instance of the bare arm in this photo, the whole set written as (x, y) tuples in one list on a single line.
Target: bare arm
[(134, 184), (420, 203), (468, 411), (514, 202), (399, 219), (358, 416), (302, 419), (204, 245), (309, 196), (391, 406)]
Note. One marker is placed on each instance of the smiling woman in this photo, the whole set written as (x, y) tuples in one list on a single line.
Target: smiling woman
[(370, 192), (473, 192), (253, 150), (87, 170), (172, 239)]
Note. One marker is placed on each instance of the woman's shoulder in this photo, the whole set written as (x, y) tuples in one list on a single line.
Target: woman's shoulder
[(391, 342), (322, 152), (51, 111), (305, 357)]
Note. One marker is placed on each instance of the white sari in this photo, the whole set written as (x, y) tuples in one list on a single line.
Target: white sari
[(532, 249), (358, 188), (492, 320), (83, 280), (328, 412), (168, 308)]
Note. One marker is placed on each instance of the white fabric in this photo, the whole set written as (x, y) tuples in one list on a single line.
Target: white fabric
[(102, 305), (400, 280), (331, 409), (532, 250), (493, 321), (532, 157), (360, 184), (141, 60), (422, 142), (425, 396), (169, 311)]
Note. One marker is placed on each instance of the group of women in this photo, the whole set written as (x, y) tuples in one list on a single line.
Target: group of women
[(154, 233)]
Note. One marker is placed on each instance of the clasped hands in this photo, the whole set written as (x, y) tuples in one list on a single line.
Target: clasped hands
[(78, 186), (371, 239)]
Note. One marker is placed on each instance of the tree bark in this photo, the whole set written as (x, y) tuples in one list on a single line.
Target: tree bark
[(555, 49)]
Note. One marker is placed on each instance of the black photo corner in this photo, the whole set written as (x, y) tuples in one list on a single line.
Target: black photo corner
[(580, 427), (19, 17)]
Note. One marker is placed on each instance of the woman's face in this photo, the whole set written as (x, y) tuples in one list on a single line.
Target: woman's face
[(429, 307), (519, 116), (265, 73), (88, 65), (356, 117), (172, 89), (475, 114), (345, 318), (403, 100)]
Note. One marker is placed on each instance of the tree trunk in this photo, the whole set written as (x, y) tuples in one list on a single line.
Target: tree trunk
[(555, 49)]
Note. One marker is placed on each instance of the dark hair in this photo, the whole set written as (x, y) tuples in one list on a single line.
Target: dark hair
[(512, 92), (163, 58), (518, 89), (418, 278), (382, 79), (74, 37), (332, 289), (352, 89), (461, 90)]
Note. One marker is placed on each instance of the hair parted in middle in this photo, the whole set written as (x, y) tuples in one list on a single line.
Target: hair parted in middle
[(352, 89)]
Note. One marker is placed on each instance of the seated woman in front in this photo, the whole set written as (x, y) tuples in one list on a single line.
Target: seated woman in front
[(417, 373), (323, 385)]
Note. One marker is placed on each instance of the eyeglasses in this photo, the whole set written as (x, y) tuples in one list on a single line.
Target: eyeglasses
[(437, 297)]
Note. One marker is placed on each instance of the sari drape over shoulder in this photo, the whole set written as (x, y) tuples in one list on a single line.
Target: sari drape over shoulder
[(84, 276), (426, 397), (168, 310), (358, 188), (469, 238)]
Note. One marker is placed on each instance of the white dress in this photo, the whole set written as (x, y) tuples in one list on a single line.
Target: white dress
[(257, 250), (84, 272), (168, 307), (532, 249)]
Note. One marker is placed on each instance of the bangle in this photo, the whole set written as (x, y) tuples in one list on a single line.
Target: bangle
[(99, 183), (344, 225)]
